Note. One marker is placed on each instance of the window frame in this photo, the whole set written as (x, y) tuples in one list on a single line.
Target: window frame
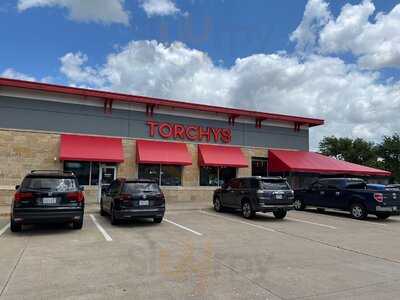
[(91, 163), (218, 176), (160, 173)]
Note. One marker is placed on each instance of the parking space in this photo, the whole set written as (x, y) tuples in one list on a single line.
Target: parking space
[(203, 254)]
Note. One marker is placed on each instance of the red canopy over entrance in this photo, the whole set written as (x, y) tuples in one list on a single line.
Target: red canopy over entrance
[(166, 153), (311, 162), (91, 148), (221, 156)]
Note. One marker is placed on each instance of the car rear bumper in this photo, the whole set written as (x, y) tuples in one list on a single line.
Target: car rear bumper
[(393, 210), (46, 215), (143, 213), (274, 207)]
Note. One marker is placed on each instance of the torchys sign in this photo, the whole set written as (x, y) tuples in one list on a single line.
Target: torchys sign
[(189, 132)]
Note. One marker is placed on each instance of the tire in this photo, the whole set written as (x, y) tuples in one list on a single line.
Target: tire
[(280, 214), (15, 227), (113, 218), (358, 211), (77, 225), (299, 204), (247, 210), (157, 219), (382, 216), (102, 212), (218, 205)]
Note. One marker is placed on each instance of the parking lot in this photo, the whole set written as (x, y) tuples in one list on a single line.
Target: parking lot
[(201, 254)]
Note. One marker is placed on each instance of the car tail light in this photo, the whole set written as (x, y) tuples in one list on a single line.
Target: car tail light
[(20, 196), (75, 196), (124, 197), (378, 197)]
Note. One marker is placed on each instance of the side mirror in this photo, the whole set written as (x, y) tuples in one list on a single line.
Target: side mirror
[(81, 188), (17, 186)]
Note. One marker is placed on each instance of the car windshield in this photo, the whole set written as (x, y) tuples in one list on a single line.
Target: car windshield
[(134, 187), (274, 185), (50, 184)]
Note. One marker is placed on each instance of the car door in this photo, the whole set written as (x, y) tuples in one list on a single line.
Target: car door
[(314, 194), (108, 195), (332, 197), (228, 193)]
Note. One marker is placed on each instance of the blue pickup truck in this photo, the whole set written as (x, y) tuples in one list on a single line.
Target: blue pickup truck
[(349, 194)]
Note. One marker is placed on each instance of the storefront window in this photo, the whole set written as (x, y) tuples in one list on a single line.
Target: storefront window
[(259, 166), (87, 172), (216, 176), (165, 175), (209, 176)]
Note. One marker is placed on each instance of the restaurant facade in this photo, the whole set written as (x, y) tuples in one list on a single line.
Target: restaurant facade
[(189, 149)]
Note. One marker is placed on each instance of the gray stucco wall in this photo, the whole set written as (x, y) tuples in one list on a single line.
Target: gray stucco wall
[(73, 118)]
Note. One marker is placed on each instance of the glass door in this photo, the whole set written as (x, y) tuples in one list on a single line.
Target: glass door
[(106, 175)]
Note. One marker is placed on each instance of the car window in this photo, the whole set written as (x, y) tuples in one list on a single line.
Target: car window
[(356, 185), (49, 184), (135, 187), (267, 184), (113, 188), (316, 186), (332, 184), (235, 184)]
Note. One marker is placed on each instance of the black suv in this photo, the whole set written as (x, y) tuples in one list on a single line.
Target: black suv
[(255, 194), (127, 199), (48, 196)]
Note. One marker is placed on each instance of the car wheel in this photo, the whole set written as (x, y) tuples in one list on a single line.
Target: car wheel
[(113, 218), (358, 211), (77, 224), (102, 212), (247, 211), (382, 216), (299, 204), (14, 226), (280, 214), (157, 219), (218, 205)]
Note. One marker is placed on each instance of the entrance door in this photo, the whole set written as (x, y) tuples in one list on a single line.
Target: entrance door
[(106, 175)]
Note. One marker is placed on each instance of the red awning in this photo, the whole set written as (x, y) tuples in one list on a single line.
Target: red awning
[(91, 148), (311, 162), (166, 153), (221, 156)]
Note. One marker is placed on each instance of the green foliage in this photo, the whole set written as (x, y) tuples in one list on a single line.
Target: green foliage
[(385, 155)]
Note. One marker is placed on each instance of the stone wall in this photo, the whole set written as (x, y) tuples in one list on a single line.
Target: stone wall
[(23, 151)]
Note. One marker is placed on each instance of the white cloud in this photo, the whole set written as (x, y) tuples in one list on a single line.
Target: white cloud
[(160, 8), (11, 73), (316, 16), (353, 102), (101, 11), (375, 44)]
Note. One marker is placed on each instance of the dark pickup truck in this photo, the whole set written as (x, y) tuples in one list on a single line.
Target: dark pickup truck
[(349, 194)]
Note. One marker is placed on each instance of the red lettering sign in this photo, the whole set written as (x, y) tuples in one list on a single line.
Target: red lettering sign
[(190, 132)]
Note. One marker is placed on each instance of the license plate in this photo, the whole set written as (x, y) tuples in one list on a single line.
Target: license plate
[(50, 200), (143, 202), (279, 197)]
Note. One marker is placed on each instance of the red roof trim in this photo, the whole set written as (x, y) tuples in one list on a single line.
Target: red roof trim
[(310, 162), (52, 88)]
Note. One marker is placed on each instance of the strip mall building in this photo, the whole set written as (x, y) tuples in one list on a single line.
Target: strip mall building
[(188, 148)]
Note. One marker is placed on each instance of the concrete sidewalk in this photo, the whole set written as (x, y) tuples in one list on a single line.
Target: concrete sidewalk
[(171, 206)]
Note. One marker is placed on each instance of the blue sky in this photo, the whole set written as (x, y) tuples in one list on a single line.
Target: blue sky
[(35, 37)]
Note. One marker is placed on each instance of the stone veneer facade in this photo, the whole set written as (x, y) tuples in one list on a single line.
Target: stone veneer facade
[(23, 151)]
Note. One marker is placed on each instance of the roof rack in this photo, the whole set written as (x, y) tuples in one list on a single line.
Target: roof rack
[(52, 171)]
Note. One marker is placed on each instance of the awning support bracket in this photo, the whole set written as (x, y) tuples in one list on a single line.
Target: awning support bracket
[(231, 119), (108, 106), (259, 122), (150, 110)]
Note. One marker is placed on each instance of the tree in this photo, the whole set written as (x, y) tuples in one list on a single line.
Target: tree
[(389, 151), (357, 151)]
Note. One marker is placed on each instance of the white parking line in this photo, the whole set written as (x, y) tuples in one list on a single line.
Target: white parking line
[(101, 229), (312, 223), (4, 229), (183, 227), (236, 221)]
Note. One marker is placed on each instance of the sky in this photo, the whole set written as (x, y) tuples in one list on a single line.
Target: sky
[(336, 60)]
